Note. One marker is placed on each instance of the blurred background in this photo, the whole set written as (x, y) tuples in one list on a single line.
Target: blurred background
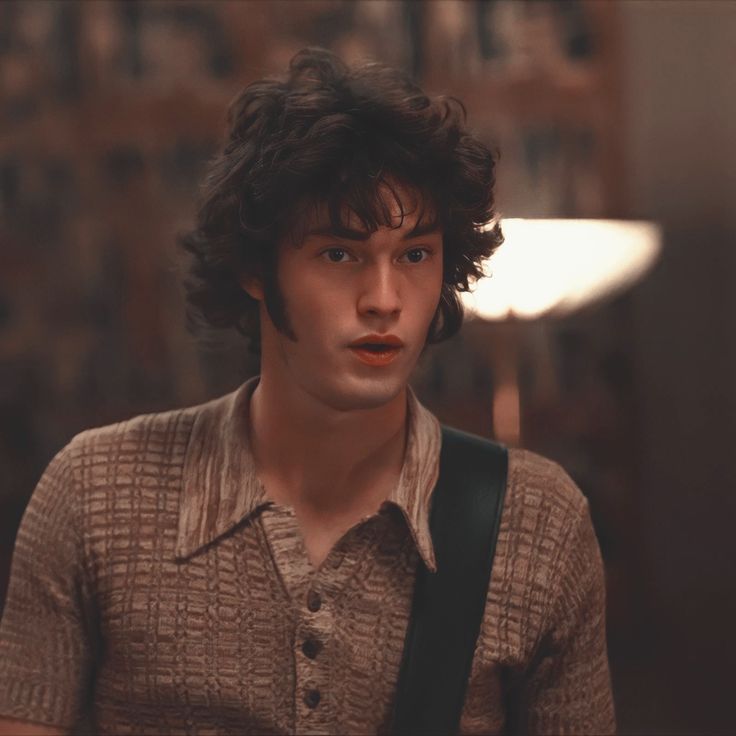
[(108, 113)]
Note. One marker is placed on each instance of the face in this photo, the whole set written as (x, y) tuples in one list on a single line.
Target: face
[(340, 287)]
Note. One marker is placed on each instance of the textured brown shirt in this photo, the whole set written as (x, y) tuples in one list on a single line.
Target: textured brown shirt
[(156, 587)]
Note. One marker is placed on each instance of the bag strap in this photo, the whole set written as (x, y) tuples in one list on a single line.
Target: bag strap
[(447, 608)]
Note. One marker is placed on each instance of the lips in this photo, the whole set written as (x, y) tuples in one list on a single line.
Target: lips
[(377, 350), (377, 342), (375, 357)]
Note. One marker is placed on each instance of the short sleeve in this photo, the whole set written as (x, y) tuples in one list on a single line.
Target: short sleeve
[(45, 642), (568, 688)]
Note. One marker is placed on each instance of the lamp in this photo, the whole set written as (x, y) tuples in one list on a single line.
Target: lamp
[(552, 268)]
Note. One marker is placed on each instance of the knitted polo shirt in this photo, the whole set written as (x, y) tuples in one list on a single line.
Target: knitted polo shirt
[(156, 588)]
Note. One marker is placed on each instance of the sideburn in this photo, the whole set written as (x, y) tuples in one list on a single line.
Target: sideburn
[(275, 303)]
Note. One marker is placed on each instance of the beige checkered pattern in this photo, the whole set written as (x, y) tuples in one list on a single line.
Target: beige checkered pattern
[(156, 589)]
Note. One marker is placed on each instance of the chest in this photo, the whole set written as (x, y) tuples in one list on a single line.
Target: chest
[(315, 537), (250, 636)]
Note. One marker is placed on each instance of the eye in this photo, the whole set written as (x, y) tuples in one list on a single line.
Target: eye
[(415, 254), (335, 255)]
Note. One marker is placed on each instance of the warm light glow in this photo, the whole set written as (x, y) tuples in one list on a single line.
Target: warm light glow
[(553, 267)]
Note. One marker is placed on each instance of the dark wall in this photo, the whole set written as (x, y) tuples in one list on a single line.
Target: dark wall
[(680, 108)]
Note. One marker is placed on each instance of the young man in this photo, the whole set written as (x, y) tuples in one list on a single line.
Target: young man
[(247, 566)]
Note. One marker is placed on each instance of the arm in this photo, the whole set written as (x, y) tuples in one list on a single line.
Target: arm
[(44, 635), (567, 689)]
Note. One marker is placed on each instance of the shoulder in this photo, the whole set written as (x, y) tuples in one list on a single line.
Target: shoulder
[(111, 461), (540, 488), (143, 433), (100, 470), (543, 513), (125, 479), (122, 468), (144, 444), (540, 524)]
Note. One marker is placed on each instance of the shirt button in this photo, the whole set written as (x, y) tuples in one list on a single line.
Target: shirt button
[(311, 648), (311, 698), (314, 601)]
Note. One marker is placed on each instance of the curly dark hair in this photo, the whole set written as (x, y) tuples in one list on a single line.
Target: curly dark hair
[(334, 135)]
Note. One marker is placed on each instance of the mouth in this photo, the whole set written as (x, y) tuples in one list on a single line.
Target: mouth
[(375, 354), (375, 347)]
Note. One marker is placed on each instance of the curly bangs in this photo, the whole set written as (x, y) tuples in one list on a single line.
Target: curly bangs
[(338, 136)]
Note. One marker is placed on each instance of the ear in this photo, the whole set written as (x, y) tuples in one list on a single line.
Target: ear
[(252, 286)]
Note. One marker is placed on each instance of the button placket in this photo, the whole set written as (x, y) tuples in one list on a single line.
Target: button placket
[(314, 628), (311, 644)]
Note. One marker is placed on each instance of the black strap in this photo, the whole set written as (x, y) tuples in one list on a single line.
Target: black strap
[(448, 605)]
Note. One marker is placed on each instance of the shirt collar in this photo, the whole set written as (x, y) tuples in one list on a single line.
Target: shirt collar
[(220, 487)]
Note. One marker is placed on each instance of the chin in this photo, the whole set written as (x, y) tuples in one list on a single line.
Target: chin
[(356, 393)]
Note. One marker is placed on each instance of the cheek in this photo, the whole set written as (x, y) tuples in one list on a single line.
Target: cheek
[(313, 303), (429, 289)]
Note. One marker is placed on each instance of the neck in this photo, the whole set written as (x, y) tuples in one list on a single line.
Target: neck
[(321, 460)]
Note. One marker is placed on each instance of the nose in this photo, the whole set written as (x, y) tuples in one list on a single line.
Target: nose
[(380, 293)]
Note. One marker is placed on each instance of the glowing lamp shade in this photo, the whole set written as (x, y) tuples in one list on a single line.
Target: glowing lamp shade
[(553, 267)]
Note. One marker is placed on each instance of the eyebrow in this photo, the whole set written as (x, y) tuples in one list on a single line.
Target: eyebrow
[(347, 233)]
